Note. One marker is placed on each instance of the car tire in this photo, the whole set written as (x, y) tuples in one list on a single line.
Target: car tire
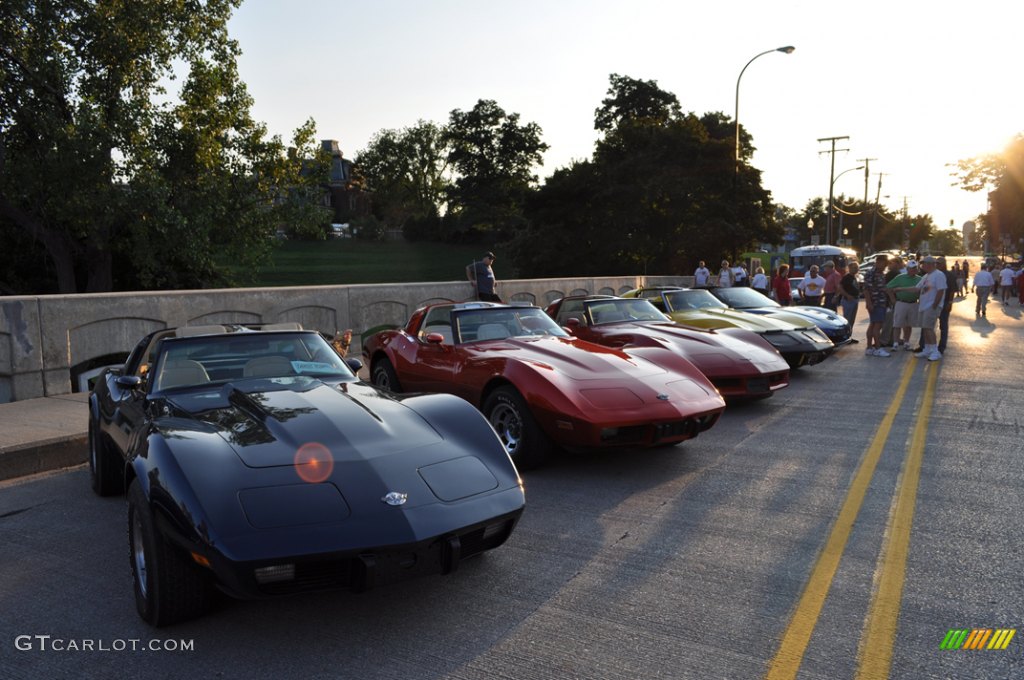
[(521, 436), (169, 587), (383, 375), (106, 469)]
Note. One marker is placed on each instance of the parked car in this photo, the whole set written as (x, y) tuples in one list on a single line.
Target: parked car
[(800, 345), (740, 363), (831, 324), (537, 385), (257, 462)]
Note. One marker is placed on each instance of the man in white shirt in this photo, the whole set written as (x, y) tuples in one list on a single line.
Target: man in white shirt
[(1006, 283), (933, 288), (982, 285), (701, 276), (811, 287)]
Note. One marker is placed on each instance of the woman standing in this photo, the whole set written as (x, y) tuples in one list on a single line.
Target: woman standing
[(725, 275), (760, 282)]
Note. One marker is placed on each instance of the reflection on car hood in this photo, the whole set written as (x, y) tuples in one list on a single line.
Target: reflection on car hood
[(713, 349), (573, 358), (721, 318), (267, 422)]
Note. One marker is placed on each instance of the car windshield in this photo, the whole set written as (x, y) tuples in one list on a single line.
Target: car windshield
[(744, 298), (679, 300), (619, 311), (496, 323), (215, 359)]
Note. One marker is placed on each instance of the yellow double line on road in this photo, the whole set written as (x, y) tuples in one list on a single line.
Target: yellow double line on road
[(880, 629)]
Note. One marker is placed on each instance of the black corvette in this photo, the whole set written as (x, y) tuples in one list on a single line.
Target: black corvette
[(257, 462)]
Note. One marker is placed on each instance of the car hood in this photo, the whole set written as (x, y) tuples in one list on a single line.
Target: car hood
[(818, 315), (710, 350), (268, 422), (724, 318), (575, 359)]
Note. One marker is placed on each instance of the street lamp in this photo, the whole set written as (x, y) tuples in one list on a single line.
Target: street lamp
[(788, 49), (828, 231)]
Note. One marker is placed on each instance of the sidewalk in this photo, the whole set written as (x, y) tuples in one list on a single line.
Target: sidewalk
[(43, 434)]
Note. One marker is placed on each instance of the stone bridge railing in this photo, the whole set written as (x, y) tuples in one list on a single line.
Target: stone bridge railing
[(48, 341)]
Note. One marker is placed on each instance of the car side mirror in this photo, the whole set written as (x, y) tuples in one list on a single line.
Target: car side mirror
[(572, 325), (435, 338), (355, 364), (128, 382)]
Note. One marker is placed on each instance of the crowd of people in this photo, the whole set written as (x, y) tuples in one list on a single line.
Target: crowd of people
[(899, 296)]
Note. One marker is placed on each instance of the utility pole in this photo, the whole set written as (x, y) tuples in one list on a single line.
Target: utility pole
[(867, 170), (831, 181), (874, 215)]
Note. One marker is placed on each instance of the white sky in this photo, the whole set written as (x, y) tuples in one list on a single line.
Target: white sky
[(915, 85)]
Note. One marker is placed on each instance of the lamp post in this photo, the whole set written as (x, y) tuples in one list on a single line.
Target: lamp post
[(828, 229), (788, 49)]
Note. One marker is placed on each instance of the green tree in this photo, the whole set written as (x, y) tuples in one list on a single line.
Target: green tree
[(494, 156), (117, 183), (1002, 176), (660, 194), (408, 172)]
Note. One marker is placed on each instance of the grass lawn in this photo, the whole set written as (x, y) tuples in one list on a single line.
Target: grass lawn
[(341, 260)]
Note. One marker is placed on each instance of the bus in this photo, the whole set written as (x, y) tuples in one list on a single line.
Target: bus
[(801, 259)]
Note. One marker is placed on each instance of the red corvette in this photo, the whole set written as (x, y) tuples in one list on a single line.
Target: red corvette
[(539, 386), (740, 363)]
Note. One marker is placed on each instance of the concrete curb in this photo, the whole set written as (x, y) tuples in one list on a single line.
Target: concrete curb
[(43, 456)]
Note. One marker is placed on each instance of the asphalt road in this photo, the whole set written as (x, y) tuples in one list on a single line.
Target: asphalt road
[(837, 530)]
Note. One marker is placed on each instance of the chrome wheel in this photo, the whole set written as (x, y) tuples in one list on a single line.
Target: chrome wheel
[(139, 554), (508, 423)]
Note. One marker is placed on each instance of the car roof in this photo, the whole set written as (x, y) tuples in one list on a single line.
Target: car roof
[(218, 329)]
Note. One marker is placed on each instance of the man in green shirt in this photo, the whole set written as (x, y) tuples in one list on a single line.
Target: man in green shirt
[(904, 303)]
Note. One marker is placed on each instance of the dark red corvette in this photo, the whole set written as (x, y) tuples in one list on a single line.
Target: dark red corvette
[(738, 362), (539, 386)]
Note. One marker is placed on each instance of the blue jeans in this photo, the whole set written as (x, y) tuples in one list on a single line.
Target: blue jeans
[(850, 310)]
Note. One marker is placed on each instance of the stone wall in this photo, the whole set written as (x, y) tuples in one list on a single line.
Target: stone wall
[(42, 338)]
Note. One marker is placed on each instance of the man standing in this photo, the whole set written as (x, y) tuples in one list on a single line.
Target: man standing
[(894, 269), (876, 300), (947, 305), (832, 279), (933, 290), (904, 304), (481, 276), (849, 294), (811, 287), (982, 286), (725, 275), (701, 276), (1006, 282)]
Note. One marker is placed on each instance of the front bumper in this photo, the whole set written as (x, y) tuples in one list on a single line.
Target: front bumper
[(804, 347)]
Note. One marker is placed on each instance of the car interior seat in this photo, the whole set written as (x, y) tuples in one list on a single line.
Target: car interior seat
[(267, 367), (491, 331), (179, 372)]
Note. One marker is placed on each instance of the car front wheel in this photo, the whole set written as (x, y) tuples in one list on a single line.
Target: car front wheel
[(169, 588), (516, 427), (384, 376), (106, 468)]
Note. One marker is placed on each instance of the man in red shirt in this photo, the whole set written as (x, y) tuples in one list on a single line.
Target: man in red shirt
[(832, 278)]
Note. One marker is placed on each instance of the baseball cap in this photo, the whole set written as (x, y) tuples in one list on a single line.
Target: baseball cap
[(911, 264), (489, 254), (928, 260)]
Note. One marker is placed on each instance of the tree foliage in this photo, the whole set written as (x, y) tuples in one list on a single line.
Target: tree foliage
[(660, 194), (1002, 175), (493, 156), (119, 184), (408, 172)]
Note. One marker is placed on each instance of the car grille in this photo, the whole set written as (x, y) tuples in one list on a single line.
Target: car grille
[(378, 567)]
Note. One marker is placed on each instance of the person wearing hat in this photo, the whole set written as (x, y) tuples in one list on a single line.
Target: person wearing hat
[(904, 304), (481, 275), (933, 289)]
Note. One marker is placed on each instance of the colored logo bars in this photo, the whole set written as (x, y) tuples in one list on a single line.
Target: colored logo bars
[(978, 638)]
